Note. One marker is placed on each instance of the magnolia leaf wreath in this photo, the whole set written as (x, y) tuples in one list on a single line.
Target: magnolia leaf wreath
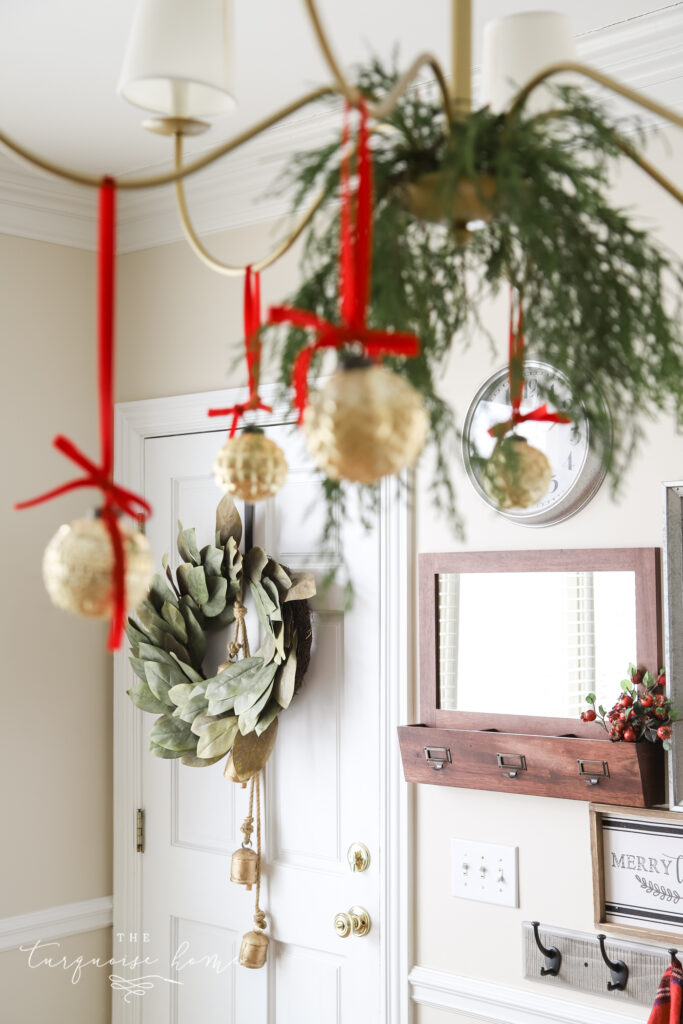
[(204, 717)]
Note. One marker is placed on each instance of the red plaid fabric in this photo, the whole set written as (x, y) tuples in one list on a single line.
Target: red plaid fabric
[(668, 1005)]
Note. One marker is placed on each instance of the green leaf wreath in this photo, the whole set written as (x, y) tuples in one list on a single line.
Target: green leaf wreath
[(202, 718), (601, 299)]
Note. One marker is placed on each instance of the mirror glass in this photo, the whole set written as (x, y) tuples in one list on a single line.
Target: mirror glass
[(534, 643)]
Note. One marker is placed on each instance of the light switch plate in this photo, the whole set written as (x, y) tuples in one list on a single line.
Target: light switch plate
[(485, 871)]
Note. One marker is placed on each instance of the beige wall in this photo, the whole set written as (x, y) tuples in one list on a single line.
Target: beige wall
[(55, 755), (58, 994), (180, 324)]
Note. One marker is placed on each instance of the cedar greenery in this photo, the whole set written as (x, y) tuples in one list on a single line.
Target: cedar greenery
[(601, 299)]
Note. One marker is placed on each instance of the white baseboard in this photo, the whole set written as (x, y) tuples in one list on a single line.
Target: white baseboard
[(499, 1004), (55, 923)]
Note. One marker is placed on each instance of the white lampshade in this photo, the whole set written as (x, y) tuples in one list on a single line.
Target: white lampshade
[(516, 47), (179, 60)]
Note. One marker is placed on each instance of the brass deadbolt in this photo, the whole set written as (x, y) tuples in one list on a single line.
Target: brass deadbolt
[(359, 857)]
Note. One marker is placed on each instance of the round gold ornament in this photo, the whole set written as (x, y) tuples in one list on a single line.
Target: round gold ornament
[(244, 867), (254, 949), (364, 423), (250, 466), (517, 475), (78, 567)]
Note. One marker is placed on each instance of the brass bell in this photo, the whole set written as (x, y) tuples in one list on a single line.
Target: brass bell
[(244, 867), (230, 773), (253, 950)]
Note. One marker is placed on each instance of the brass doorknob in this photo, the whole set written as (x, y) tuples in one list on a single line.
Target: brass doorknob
[(356, 922), (360, 921)]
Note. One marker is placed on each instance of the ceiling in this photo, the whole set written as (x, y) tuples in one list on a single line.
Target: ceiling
[(60, 61)]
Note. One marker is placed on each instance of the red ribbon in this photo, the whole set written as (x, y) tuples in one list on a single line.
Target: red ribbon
[(355, 249), (516, 378), (116, 499), (252, 350)]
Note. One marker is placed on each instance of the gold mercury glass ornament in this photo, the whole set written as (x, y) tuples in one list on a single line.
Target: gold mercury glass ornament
[(250, 466), (78, 567), (364, 423), (517, 475)]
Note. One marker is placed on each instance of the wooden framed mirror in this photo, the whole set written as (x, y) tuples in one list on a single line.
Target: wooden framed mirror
[(510, 644), (596, 610)]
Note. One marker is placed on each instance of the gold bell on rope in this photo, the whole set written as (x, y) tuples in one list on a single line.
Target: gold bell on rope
[(244, 867), (254, 949), (230, 772)]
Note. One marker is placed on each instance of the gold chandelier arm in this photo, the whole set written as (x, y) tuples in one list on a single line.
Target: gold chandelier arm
[(385, 106), (177, 174), (626, 148), (196, 244), (650, 169), (604, 80)]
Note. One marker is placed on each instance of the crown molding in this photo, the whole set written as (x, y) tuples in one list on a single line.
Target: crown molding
[(642, 52)]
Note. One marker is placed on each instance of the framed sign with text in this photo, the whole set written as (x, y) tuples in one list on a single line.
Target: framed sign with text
[(638, 871)]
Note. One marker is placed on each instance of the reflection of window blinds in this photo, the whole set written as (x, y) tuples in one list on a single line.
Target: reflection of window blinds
[(449, 615), (580, 624), (575, 632)]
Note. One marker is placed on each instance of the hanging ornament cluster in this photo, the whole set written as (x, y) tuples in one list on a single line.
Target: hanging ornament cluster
[(517, 475), (366, 422), (98, 567), (250, 466)]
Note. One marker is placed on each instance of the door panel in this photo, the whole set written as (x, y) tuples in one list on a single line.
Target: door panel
[(321, 786)]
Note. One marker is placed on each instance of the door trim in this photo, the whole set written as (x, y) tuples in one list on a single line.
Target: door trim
[(134, 423)]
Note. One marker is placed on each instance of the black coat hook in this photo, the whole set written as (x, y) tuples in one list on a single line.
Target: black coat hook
[(552, 956), (672, 954), (617, 969)]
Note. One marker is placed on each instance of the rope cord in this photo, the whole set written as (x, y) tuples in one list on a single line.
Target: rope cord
[(259, 915)]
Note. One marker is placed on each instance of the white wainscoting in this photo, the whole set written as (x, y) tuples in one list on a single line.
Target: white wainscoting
[(55, 923), (500, 1004)]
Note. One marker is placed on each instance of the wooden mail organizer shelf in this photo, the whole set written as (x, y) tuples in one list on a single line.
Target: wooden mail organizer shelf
[(574, 768), (471, 611)]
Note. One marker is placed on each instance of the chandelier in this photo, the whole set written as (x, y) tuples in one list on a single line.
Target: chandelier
[(421, 191)]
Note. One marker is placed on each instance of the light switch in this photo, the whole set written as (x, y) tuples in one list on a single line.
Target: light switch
[(485, 871)]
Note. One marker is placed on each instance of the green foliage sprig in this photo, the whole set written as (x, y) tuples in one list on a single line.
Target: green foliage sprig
[(601, 299)]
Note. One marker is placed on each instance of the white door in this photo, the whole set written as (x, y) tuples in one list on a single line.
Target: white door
[(322, 792)]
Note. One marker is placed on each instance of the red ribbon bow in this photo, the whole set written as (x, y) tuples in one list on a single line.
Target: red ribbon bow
[(116, 498), (355, 250), (516, 378), (252, 349)]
